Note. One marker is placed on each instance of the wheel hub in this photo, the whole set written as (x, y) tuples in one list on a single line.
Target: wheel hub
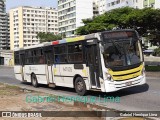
[(80, 85)]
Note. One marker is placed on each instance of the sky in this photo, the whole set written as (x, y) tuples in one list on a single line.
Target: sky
[(15, 3)]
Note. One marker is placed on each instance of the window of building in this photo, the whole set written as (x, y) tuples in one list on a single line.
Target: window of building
[(152, 5)]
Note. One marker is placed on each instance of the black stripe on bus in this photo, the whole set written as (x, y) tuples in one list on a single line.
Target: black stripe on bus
[(17, 73), (66, 76), (126, 74), (54, 75), (36, 74), (40, 74), (114, 69)]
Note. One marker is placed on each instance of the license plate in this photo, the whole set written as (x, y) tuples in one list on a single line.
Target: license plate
[(128, 83)]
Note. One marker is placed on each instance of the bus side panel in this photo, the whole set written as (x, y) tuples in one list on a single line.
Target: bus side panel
[(18, 72), (59, 81), (88, 81), (65, 73), (27, 74), (38, 70)]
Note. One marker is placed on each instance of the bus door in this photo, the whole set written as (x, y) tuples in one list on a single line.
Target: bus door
[(22, 63), (49, 61), (92, 61)]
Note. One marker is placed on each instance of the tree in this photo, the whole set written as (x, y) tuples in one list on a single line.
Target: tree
[(48, 37), (141, 20)]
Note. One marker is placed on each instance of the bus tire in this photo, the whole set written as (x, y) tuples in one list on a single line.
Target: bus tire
[(34, 80), (23, 82), (80, 86)]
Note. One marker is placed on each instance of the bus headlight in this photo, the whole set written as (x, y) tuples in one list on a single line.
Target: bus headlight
[(143, 71), (109, 77)]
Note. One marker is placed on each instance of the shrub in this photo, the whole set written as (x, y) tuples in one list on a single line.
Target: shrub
[(152, 68), (157, 51)]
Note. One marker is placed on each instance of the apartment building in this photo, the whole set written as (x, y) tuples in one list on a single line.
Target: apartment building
[(26, 22), (4, 27), (95, 7), (102, 6), (151, 3), (71, 13), (107, 5)]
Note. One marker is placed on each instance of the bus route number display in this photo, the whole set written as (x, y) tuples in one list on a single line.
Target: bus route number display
[(119, 34)]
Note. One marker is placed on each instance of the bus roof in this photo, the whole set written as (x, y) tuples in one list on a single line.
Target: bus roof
[(74, 39), (68, 40), (65, 40), (34, 46)]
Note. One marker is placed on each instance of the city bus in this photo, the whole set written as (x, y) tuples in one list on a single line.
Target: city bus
[(105, 61)]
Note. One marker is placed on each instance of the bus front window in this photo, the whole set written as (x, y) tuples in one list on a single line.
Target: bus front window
[(121, 52)]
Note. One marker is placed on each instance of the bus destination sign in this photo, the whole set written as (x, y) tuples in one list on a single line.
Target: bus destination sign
[(118, 34)]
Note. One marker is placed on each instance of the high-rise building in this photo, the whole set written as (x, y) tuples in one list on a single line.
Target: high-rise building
[(4, 27), (102, 6), (151, 3), (26, 22), (71, 13), (95, 8), (107, 5)]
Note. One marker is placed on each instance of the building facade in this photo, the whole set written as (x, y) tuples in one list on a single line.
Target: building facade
[(107, 5), (95, 7), (4, 27), (6, 57), (151, 3), (71, 13), (102, 6), (26, 22)]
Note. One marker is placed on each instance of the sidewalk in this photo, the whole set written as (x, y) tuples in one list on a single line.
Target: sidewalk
[(13, 98), (152, 60), (153, 74)]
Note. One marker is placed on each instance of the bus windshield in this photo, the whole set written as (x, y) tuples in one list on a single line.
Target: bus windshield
[(121, 52)]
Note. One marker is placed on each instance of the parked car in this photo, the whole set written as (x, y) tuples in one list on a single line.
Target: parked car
[(149, 52)]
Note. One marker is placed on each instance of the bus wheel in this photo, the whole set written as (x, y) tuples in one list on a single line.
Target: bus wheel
[(34, 80), (80, 86)]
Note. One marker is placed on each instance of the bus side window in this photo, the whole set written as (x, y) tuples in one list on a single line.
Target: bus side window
[(60, 54), (41, 60), (57, 59), (75, 53), (16, 57), (41, 57)]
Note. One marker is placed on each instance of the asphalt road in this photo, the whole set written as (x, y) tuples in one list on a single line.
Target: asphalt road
[(141, 98)]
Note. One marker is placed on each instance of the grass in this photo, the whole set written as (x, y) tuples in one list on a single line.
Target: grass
[(152, 68), (8, 89), (12, 87)]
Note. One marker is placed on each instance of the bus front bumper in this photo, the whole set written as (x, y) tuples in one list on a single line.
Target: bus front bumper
[(118, 85)]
